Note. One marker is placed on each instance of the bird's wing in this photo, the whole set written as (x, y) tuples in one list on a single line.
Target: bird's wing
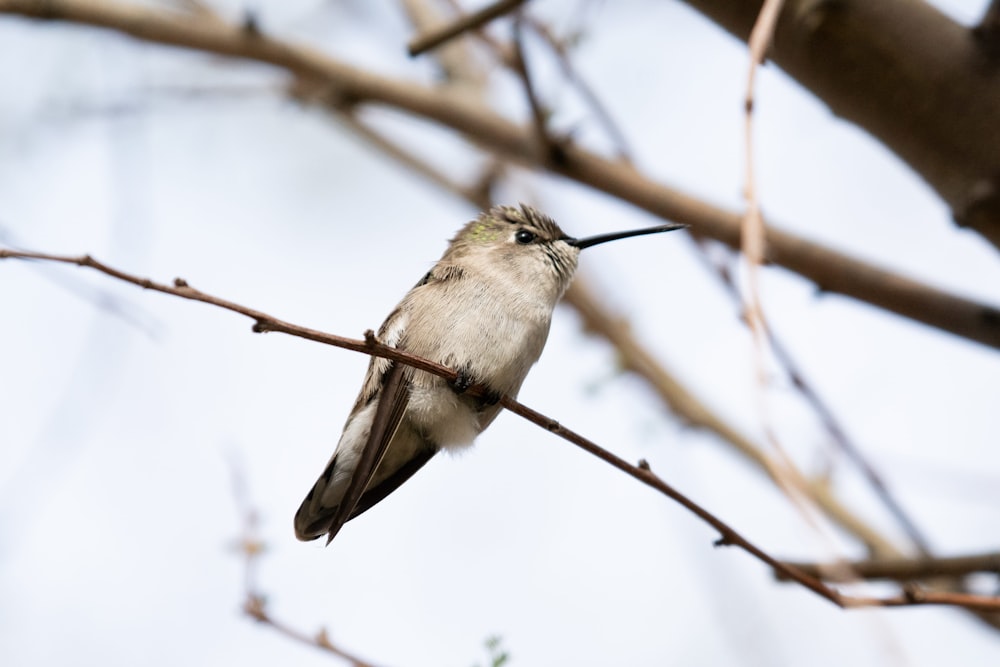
[(392, 403), (378, 493)]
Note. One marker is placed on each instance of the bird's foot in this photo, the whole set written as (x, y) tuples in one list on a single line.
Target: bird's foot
[(465, 380)]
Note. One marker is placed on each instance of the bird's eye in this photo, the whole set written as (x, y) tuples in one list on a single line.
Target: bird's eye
[(524, 237)]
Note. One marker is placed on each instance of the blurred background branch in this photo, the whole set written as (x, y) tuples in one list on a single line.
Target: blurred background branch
[(830, 270)]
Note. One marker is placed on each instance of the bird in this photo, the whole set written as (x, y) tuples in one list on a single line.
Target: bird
[(484, 310)]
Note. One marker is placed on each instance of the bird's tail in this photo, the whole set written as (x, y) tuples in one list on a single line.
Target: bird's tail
[(313, 519)]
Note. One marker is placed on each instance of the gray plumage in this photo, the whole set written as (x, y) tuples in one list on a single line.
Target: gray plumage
[(483, 310)]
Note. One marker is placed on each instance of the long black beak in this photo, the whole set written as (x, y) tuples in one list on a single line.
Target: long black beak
[(614, 236)]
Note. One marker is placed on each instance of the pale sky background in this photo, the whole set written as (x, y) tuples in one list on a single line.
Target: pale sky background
[(117, 511)]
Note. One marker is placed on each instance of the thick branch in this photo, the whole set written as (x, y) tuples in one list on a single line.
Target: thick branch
[(905, 569), (831, 271), (916, 80), (251, 547)]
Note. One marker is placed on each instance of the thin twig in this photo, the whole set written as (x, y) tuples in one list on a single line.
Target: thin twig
[(906, 569), (465, 23), (753, 245), (824, 413), (600, 111), (459, 65), (752, 230), (252, 547), (509, 57), (689, 408), (550, 148), (728, 536), (752, 240), (478, 192)]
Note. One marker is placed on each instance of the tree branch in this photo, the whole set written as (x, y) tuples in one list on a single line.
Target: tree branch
[(830, 270), (549, 147), (597, 107), (937, 105), (688, 407), (837, 433), (728, 536), (472, 21), (251, 547), (904, 569), (988, 29)]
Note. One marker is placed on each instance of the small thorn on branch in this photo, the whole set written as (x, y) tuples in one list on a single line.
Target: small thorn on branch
[(323, 639), (254, 607), (370, 339), (723, 541), (180, 282), (644, 465)]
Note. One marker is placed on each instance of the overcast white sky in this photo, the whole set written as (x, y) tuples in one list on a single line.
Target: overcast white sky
[(117, 512)]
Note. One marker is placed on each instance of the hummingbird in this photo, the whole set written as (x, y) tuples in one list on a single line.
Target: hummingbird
[(483, 310)]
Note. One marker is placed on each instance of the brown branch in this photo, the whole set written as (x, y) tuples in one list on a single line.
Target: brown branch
[(634, 357), (252, 547), (459, 65), (200, 9), (263, 322), (549, 147), (830, 270), (903, 569), (641, 472), (753, 248), (462, 25), (988, 29), (478, 192), (752, 241), (597, 107), (907, 74), (853, 451), (823, 412)]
